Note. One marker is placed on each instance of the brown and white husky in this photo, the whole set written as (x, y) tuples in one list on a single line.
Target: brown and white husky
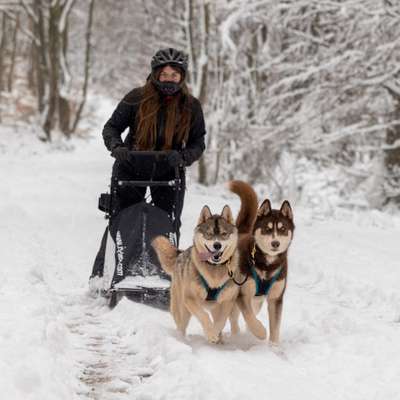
[(203, 275), (265, 236)]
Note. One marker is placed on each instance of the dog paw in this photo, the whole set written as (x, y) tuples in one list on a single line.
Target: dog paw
[(278, 350), (213, 337), (182, 332), (259, 331)]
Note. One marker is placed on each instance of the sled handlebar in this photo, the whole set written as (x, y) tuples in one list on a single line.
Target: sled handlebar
[(171, 182), (156, 155)]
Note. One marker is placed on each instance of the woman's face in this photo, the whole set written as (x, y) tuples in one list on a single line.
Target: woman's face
[(169, 74)]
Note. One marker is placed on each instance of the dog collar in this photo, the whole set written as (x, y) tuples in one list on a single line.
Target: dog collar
[(230, 273)]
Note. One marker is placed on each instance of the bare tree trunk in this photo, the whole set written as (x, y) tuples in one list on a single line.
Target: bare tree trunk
[(33, 67), (392, 155), (2, 49), (2, 53), (54, 66), (64, 106), (190, 40), (87, 65), (198, 57), (13, 54), (40, 58), (49, 59), (217, 166)]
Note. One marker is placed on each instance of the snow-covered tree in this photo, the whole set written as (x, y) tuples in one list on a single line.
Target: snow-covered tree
[(287, 86)]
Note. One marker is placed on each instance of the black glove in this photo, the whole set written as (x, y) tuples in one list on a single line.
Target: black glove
[(175, 159), (121, 153)]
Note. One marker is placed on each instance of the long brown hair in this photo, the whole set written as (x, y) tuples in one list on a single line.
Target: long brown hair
[(177, 122)]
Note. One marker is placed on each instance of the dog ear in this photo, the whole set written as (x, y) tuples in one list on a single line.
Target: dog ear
[(286, 210), (204, 215), (265, 208), (227, 214)]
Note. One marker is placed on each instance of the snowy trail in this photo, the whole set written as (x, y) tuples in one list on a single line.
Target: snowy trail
[(341, 318), (106, 364), (116, 359), (135, 351)]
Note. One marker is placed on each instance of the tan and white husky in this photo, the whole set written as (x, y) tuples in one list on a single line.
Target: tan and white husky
[(203, 275), (265, 236)]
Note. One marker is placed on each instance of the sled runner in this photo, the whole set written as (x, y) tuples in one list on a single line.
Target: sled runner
[(131, 267)]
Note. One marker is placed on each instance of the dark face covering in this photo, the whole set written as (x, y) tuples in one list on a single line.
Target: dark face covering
[(167, 88)]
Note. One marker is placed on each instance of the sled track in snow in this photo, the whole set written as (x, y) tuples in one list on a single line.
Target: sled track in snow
[(117, 353), (109, 368)]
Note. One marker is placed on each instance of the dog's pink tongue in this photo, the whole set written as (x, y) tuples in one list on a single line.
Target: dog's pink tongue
[(204, 255)]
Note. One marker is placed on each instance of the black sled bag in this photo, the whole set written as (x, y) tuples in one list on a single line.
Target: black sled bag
[(129, 253)]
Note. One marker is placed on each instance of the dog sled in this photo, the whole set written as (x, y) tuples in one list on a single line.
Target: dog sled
[(131, 266)]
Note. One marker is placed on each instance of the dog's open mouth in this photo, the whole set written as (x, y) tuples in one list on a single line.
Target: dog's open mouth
[(211, 256)]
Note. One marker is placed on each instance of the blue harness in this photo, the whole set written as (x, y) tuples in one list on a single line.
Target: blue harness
[(212, 293), (263, 286)]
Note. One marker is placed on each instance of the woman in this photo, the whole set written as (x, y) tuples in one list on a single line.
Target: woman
[(161, 115)]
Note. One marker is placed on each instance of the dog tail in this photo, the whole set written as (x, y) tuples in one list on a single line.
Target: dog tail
[(248, 207), (166, 252)]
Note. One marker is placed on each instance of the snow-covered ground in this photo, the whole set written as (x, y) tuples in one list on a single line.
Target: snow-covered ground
[(341, 322)]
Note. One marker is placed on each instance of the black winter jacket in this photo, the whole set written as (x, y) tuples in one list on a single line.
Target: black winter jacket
[(124, 116)]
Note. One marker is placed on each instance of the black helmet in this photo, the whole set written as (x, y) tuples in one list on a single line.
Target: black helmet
[(170, 56)]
